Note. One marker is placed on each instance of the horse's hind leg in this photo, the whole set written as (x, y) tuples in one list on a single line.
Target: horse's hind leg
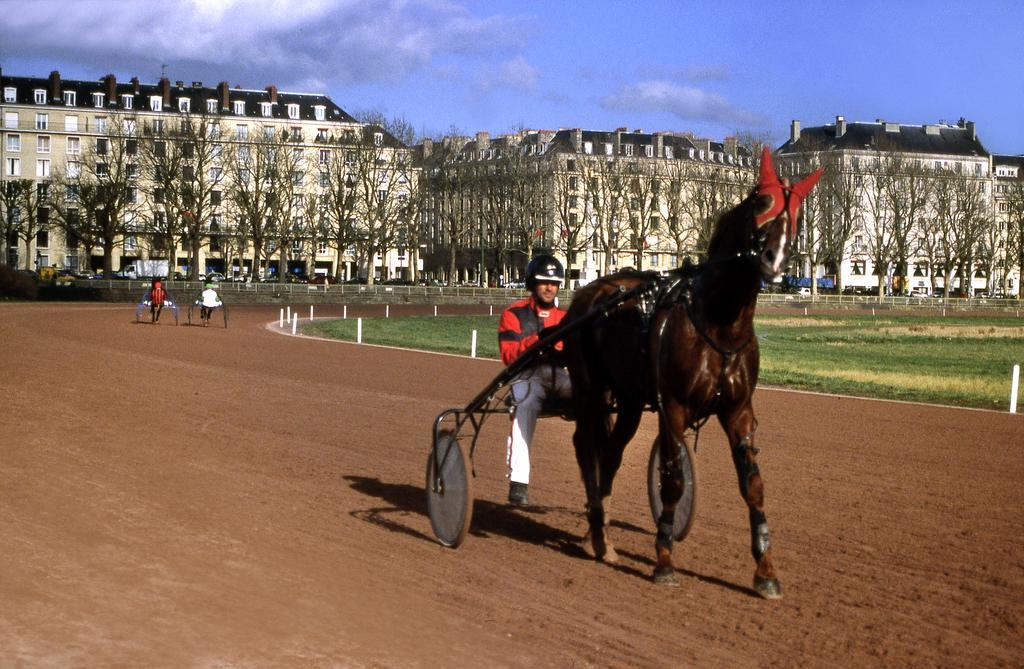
[(610, 459), (671, 428), (590, 440), (740, 429)]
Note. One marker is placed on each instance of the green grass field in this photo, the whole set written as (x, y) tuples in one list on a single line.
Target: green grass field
[(956, 361)]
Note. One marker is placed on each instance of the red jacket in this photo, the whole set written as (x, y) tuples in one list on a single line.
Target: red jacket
[(520, 325)]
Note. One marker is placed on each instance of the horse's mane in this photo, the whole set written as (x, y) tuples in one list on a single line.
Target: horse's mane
[(733, 228)]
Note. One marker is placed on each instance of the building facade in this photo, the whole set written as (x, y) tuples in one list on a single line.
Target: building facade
[(599, 200), (169, 162), (901, 209)]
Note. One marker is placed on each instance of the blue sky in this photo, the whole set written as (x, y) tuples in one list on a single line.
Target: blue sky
[(712, 68)]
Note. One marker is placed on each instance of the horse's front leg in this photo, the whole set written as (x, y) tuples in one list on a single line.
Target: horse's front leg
[(740, 429)]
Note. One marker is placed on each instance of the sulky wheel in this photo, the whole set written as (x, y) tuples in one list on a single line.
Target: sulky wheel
[(449, 490), (687, 503)]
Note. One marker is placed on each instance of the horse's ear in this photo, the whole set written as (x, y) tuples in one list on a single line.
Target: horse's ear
[(804, 187), (768, 176)]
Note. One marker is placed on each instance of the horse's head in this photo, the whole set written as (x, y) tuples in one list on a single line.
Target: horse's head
[(776, 213)]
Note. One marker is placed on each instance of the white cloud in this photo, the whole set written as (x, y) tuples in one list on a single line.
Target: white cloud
[(686, 102), (254, 42), (516, 74)]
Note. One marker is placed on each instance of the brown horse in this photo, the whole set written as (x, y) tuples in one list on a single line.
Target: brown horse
[(688, 351)]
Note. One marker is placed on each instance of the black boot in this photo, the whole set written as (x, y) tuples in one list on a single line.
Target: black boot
[(517, 495)]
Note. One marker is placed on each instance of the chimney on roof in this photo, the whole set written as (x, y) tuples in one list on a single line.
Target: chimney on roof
[(179, 83), (165, 90), (659, 144), (111, 87), (222, 95), (428, 147), (135, 85), (272, 92), (483, 140), (840, 126), (730, 145), (794, 131), (197, 84), (972, 131), (577, 138), (622, 129), (55, 86)]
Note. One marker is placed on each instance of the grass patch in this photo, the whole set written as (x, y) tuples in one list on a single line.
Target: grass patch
[(961, 361)]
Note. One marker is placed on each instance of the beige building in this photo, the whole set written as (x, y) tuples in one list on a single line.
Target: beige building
[(51, 128), (598, 200), (909, 206)]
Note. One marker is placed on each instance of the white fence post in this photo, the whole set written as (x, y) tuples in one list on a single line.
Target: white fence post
[(1014, 385), (295, 323), (492, 311), (387, 311), (311, 313), (472, 348), (359, 330), (435, 309), (289, 312), (344, 311), (280, 319)]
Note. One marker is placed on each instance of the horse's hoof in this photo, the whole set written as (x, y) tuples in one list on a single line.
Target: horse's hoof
[(665, 576), (610, 556), (769, 588), (588, 545)]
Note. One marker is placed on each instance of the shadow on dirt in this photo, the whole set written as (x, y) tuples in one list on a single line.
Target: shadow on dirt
[(494, 519)]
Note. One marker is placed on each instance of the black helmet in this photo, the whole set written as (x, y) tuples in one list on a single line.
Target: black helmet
[(544, 268)]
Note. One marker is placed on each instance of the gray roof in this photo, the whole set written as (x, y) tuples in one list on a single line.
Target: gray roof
[(956, 140), (198, 94)]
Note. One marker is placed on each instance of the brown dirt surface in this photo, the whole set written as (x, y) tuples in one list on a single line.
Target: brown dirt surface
[(180, 496)]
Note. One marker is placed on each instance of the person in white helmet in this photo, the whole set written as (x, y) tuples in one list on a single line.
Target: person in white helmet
[(208, 301)]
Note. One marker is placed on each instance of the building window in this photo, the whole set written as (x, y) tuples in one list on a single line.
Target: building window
[(297, 154), (378, 138), (215, 174), (74, 170), (325, 156), (97, 100), (668, 152), (102, 145), (127, 101), (101, 124), (266, 109), (11, 120), (40, 96), (131, 147), (297, 178), (325, 180), (133, 170), (74, 145), (321, 134), (156, 103), (69, 98), (70, 123), (14, 143), (184, 105), (43, 239), (296, 133), (239, 107), (215, 197), (211, 106), (648, 150), (42, 144), (321, 248), (42, 121), (627, 149), (43, 169), (133, 195), (268, 132), (858, 268), (319, 112), (588, 148), (10, 94), (293, 111), (241, 132), (130, 242), (13, 167)]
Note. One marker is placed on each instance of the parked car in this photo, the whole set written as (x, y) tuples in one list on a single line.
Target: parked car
[(215, 277), (398, 282), (322, 279)]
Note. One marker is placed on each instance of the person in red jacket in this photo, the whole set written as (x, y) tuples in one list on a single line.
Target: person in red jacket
[(519, 328)]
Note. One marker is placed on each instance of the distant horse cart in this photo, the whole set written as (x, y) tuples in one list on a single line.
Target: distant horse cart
[(681, 345)]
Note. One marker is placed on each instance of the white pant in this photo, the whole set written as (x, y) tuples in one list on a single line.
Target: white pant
[(529, 393)]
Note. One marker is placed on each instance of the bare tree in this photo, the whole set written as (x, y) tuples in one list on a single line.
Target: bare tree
[(959, 216), (1014, 245), (252, 186), (10, 216), (877, 226), (642, 205), (838, 198), (107, 174), (569, 196), (907, 194), (381, 174), (607, 188)]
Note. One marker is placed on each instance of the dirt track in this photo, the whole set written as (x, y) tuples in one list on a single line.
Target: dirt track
[(209, 497)]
